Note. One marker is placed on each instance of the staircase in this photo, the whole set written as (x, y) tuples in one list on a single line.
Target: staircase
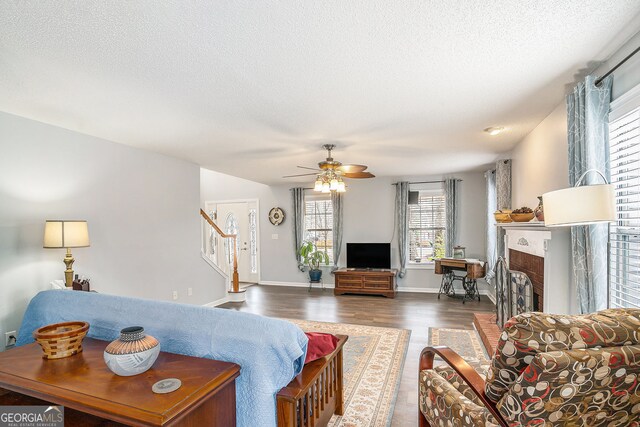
[(216, 260)]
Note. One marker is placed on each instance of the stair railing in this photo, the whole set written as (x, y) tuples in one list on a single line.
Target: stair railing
[(235, 282)]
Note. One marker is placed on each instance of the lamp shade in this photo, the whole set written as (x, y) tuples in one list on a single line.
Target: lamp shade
[(588, 204), (66, 234)]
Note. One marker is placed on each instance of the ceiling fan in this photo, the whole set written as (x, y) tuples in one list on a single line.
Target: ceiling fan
[(330, 173)]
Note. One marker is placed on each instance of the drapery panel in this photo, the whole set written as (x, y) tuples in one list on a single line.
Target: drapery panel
[(503, 198), (297, 194), (492, 236), (503, 184), (336, 202), (402, 208), (451, 214), (588, 132)]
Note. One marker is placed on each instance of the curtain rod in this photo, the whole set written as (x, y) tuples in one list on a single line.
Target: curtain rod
[(617, 65), (426, 182), (395, 183)]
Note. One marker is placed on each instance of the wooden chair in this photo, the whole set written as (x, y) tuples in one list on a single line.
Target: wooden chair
[(547, 370)]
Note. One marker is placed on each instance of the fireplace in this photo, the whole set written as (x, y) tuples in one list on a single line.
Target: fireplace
[(533, 267), (543, 254)]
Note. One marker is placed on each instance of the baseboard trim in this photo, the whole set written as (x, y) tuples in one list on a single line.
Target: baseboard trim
[(295, 284), (217, 302), (491, 296), (332, 286)]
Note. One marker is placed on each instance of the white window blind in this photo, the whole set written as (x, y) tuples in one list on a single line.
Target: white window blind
[(624, 261), (427, 227), (318, 224)]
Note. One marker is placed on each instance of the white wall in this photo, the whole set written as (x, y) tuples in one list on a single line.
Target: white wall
[(142, 210), (368, 217), (539, 161)]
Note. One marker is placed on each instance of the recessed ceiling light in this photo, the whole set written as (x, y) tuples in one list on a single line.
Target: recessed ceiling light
[(494, 130)]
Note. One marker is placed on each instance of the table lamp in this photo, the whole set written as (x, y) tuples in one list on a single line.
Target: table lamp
[(67, 234)]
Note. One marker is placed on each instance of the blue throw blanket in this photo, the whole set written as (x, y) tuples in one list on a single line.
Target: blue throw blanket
[(270, 352)]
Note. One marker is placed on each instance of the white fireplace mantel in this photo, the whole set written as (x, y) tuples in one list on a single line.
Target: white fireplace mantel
[(554, 245)]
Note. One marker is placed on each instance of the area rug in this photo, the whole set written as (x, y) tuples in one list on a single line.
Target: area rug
[(373, 359), (465, 342)]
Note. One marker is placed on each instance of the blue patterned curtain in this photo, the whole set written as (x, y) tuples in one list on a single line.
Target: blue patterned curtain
[(503, 184), (336, 203), (588, 132), (503, 198), (451, 214), (298, 222), (492, 236), (402, 207)]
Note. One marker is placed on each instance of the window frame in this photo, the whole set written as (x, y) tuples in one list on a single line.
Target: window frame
[(429, 191), (626, 105), (314, 199)]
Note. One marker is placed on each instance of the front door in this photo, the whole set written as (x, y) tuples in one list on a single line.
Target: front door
[(239, 218)]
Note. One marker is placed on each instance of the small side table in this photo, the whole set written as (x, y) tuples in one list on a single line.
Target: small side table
[(91, 393)]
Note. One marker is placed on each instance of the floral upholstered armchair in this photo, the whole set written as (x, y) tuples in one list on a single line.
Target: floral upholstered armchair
[(548, 370)]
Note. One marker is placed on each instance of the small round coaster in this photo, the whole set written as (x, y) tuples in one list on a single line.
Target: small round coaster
[(166, 386)]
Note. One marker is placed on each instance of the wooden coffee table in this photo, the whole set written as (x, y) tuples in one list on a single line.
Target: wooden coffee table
[(92, 394)]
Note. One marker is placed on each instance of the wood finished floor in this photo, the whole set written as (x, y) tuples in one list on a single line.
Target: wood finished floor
[(413, 311)]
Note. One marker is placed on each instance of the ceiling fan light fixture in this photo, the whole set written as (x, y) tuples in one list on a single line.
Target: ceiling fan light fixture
[(333, 184), (330, 172)]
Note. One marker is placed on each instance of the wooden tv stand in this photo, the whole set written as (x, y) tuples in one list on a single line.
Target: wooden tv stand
[(369, 281)]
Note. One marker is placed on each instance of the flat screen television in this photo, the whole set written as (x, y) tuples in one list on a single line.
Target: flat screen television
[(369, 255)]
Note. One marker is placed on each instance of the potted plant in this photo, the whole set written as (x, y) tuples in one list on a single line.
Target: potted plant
[(312, 257)]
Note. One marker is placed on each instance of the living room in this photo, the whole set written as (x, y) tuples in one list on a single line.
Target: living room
[(133, 117)]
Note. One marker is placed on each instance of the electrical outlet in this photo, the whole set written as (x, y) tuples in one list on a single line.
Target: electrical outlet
[(10, 339), (189, 291), (274, 237), (175, 295)]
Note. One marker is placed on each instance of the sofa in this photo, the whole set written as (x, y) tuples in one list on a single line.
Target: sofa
[(548, 370), (271, 352)]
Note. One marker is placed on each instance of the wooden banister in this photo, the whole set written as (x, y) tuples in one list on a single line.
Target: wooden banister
[(235, 280)]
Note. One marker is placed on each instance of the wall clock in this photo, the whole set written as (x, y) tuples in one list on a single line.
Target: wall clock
[(276, 216)]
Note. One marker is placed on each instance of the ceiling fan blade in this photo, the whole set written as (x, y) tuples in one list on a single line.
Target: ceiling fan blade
[(311, 169), (352, 168), (358, 175), (302, 174)]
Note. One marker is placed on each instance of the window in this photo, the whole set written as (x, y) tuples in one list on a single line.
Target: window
[(318, 224), (427, 227), (624, 260)]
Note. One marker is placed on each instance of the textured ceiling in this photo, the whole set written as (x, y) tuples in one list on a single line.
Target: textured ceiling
[(253, 88)]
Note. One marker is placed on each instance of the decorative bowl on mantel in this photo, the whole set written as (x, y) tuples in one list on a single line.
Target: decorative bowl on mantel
[(502, 215), (522, 217)]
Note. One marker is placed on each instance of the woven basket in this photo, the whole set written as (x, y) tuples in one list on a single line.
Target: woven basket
[(61, 339)]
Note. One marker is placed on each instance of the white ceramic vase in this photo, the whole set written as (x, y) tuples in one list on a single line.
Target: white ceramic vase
[(133, 353)]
